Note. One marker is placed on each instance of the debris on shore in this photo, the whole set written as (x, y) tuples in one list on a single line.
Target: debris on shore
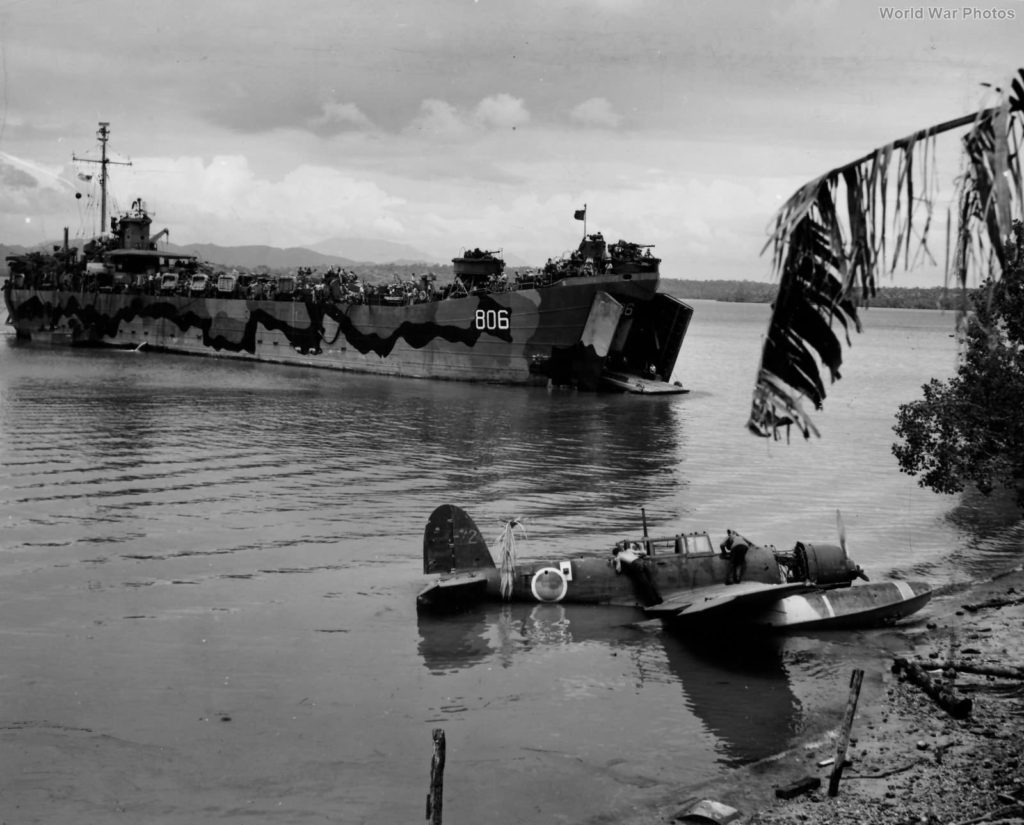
[(911, 760), (942, 763)]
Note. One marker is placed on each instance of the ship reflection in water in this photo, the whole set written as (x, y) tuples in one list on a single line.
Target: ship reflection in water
[(737, 697)]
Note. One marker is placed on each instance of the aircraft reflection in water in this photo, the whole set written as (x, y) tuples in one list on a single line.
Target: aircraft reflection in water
[(717, 682)]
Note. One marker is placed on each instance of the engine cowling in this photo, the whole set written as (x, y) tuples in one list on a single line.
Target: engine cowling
[(825, 563)]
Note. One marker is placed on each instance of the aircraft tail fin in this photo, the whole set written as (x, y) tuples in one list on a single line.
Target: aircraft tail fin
[(452, 541)]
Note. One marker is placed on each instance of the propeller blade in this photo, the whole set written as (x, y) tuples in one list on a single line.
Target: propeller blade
[(841, 527)]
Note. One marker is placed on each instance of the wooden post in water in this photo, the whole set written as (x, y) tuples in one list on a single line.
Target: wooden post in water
[(844, 734), (436, 794)]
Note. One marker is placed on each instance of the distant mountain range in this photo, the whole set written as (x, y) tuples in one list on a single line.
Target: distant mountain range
[(374, 251), (344, 252), (332, 252), (251, 257)]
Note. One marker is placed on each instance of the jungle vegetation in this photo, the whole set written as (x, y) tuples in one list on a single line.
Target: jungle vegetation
[(969, 430), (834, 236)]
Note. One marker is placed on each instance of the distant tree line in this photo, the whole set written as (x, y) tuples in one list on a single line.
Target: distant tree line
[(759, 292), (744, 292)]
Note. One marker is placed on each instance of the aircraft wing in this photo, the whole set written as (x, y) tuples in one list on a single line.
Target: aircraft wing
[(725, 601), (676, 602)]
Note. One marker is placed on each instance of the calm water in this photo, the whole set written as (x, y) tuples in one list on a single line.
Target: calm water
[(208, 572)]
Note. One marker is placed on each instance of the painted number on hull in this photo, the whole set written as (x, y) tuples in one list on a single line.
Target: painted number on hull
[(489, 320)]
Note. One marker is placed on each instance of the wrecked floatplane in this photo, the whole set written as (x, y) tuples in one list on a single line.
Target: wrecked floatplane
[(680, 579)]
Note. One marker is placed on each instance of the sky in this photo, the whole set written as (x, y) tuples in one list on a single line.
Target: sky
[(451, 124)]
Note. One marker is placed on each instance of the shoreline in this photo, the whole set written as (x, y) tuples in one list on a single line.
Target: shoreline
[(910, 760)]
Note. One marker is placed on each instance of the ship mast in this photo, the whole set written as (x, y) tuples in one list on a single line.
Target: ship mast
[(103, 134)]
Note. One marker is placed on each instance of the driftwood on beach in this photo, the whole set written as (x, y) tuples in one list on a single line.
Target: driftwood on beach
[(959, 707), (1008, 814), (970, 667), (976, 606)]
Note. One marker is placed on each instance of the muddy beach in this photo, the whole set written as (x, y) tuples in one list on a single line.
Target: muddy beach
[(910, 761)]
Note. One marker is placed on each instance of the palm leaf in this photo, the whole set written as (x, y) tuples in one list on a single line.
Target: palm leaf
[(836, 232)]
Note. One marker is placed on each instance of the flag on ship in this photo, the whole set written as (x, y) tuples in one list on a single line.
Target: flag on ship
[(580, 214)]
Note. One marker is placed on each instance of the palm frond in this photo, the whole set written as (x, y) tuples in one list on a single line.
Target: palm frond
[(835, 233)]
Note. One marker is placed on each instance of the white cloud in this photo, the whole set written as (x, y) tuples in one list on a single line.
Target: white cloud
[(40, 174), (438, 118), (341, 114), (225, 202), (502, 111), (596, 111), (388, 226), (803, 13)]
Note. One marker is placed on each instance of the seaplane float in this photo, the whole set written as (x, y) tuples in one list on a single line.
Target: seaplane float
[(680, 579)]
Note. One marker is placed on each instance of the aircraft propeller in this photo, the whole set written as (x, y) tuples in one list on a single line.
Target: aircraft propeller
[(841, 527)]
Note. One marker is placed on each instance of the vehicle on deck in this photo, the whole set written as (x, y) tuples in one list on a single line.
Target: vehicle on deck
[(199, 285)]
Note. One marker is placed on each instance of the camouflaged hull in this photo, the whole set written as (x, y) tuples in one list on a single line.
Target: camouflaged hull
[(565, 333)]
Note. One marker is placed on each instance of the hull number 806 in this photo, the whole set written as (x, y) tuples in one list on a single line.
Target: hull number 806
[(491, 319)]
